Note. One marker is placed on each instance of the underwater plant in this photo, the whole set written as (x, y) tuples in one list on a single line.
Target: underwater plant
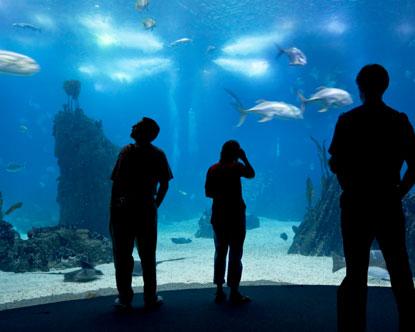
[(319, 233), (72, 89), (12, 208), (309, 192), (324, 164)]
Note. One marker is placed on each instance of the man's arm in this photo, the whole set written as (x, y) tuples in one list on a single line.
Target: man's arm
[(161, 192), (118, 177), (165, 175), (209, 185), (408, 179), (248, 171)]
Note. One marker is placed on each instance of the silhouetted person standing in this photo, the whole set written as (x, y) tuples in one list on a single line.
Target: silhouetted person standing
[(370, 145), (223, 184), (140, 183)]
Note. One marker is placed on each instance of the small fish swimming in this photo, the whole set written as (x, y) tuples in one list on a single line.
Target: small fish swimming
[(268, 110), (149, 23), (12, 208), (17, 64), (180, 240), (138, 271), (23, 129), (284, 236), (15, 167), (295, 56), (328, 97), (180, 41), (142, 4), (210, 48), (27, 26)]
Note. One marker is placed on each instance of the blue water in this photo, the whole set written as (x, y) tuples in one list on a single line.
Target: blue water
[(127, 72)]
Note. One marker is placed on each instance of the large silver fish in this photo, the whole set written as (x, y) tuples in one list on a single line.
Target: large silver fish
[(328, 97), (295, 56), (17, 64), (268, 110), (180, 41)]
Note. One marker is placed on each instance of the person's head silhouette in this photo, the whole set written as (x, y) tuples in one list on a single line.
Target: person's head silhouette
[(372, 81), (230, 151), (145, 131)]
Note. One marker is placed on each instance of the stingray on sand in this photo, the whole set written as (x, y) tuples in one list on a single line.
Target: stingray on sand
[(86, 273), (138, 271)]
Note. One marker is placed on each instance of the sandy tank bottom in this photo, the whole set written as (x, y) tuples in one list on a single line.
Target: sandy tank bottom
[(265, 262)]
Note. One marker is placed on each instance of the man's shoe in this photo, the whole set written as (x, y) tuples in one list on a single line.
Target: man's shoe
[(220, 296), (238, 298), (122, 306), (154, 304)]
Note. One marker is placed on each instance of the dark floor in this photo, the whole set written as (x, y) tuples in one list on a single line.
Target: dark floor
[(274, 308)]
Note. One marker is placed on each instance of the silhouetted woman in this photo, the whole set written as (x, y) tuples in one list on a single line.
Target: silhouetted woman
[(223, 184)]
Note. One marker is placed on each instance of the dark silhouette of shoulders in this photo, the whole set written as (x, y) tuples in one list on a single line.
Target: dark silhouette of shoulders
[(141, 166), (373, 113), (369, 146)]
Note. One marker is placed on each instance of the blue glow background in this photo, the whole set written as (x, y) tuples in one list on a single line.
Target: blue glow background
[(103, 44)]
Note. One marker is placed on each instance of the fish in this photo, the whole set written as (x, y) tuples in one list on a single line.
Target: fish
[(15, 167), (27, 26), (328, 97), (141, 4), (180, 41), (180, 240), (210, 48), (23, 129), (138, 271), (14, 207), (377, 265), (284, 236), (17, 64), (295, 56), (149, 23), (86, 273), (268, 110)]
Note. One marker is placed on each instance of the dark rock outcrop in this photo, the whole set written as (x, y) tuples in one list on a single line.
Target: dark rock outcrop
[(51, 248), (205, 227), (409, 208), (85, 158), (319, 233)]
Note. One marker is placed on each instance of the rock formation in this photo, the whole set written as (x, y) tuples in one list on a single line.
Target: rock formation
[(85, 158), (51, 248), (409, 208), (319, 233)]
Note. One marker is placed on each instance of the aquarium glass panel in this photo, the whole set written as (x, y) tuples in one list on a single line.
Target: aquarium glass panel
[(76, 76)]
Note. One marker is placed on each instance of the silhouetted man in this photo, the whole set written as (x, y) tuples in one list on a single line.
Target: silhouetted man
[(370, 145), (223, 184), (140, 183)]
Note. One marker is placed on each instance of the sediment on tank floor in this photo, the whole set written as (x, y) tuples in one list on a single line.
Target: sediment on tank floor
[(265, 262)]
